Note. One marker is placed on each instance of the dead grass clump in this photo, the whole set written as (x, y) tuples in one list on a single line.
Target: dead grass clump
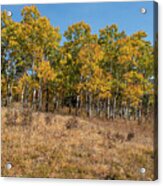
[(18, 116), (72, 123), (26, 116), (119, 137), (116, 137), (48, 119), (130, 136), (11, 116)]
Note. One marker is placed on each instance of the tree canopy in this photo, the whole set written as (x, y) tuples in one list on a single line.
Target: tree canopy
[(109, 73)]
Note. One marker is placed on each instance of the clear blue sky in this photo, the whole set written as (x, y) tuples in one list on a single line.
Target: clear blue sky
[(125, 14)]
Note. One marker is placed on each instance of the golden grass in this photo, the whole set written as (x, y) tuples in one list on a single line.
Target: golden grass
[(48, 145)]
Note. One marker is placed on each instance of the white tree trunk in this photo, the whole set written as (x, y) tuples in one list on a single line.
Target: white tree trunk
[(34, 99)]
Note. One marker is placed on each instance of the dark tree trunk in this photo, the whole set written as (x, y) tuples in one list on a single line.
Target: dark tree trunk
[(108, 108), (9, 94), (40, 96), (47, 99), (114, 107), (98, 107), (70, 108), (89, 113)]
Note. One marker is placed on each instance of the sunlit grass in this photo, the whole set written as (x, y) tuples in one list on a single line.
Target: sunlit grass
[(73, 147)]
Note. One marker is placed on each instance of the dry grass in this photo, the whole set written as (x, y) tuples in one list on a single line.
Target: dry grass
[(48, 145)]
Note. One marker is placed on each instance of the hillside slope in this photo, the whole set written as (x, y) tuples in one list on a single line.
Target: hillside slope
[(48, 145)]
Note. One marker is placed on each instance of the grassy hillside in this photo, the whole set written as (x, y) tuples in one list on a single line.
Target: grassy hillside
[(49, 145)]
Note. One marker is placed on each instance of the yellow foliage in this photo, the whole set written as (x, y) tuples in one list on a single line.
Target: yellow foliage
[(26, 80), (45, 71)]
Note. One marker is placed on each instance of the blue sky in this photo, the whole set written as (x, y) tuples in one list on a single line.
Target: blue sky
[(125, 14)]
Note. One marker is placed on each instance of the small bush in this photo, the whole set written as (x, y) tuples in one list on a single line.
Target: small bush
[(11, 117), (72, 123), (130, 136), (26, 115)]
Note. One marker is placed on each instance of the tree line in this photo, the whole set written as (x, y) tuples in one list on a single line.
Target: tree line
[(107, 74)]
